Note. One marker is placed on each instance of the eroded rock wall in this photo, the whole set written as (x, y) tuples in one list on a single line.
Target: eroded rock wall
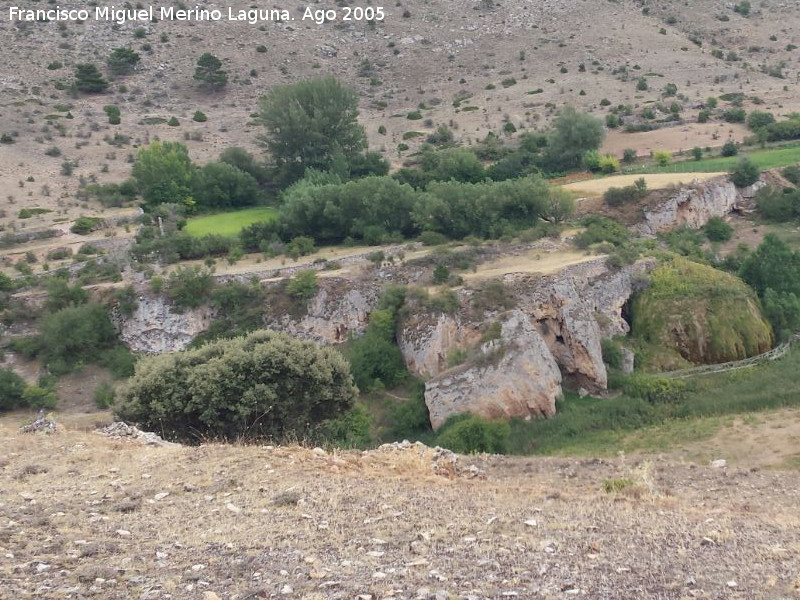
[(693, 206), (514, 376), (156, 327)]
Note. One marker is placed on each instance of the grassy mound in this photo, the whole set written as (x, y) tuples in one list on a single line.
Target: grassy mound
[(704, 315)]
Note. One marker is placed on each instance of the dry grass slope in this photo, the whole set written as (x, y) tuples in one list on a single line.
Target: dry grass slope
[(83, 515)]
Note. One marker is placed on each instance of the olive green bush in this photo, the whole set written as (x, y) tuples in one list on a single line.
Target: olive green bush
[(263, 385)]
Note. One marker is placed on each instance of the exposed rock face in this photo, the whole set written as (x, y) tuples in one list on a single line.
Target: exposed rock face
[(339, 308), (515, 376), (155, 327), (560, 321), (427, 340), (694, 206)]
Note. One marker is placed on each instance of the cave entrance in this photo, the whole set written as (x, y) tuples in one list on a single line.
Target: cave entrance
[(627, 312)]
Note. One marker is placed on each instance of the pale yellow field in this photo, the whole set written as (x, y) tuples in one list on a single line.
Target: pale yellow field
[(595, 187), (533, 261)]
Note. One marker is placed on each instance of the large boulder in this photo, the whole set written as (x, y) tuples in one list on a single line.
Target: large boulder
[(514, 376)]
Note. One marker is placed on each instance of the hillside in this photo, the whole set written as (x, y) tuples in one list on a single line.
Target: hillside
[(85, 515), (474, 66)]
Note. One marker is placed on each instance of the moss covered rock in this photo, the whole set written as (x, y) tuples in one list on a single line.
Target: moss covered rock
[(702, 314)]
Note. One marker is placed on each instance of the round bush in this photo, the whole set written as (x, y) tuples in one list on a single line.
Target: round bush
[(472, 434), (264, 385)]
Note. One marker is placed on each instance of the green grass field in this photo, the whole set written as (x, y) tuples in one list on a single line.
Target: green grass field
[(587, 426), (765, 159), (229, 223)]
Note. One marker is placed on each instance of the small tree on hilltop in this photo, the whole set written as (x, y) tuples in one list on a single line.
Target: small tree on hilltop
[(89, 80), (209, 71)]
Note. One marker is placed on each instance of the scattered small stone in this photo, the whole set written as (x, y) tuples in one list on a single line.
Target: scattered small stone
[(287, 589), (210, 596), (233, 508), (719, 463), (532, 523), (707, 541), (42, 423), (198, 567), (160, 495), (123, 533), (731, 584)]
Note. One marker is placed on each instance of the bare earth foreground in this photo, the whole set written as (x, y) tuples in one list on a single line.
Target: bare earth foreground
[(84, 515)]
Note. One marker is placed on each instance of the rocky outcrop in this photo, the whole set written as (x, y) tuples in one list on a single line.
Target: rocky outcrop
[(340, 307), (515, 376), (554, 332), (155, 327), (427, 340), (693, 206)]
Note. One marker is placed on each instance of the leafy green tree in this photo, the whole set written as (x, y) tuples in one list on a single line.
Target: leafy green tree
[(60, 294), (574, 133), (122, 61), (164, 173), (759, 119), (778, 205), (729, 148), (745, 173), (220, 185), (75, 335), (209, 72), (308, 122), (264, 385), (243, 160), (12, 388), (773, 265), (89, 80)]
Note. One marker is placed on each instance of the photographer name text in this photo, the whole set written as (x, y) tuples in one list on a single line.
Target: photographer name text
[(151, 14)]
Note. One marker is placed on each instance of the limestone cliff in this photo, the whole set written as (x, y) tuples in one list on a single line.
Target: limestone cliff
[(514, 376), (426, 341), (693, 206), (155, 327), (339, 308)]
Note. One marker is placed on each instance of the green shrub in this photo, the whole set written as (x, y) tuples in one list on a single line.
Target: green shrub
[(104, 395), (470, 434), (745, 173), (792, 173), (12, 388), (734, 115), (264, 385), (303, 286), (628, 155), (85, 225), (777, 205), (655, 389), (729, 148), (612, 353), (662, 157), (200, 117), (189, 287), (410, 419), (74, 336), (718, 230), (39, 397), (351, 430)]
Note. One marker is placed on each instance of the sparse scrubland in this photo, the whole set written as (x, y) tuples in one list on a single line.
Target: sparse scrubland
[(255, 240)]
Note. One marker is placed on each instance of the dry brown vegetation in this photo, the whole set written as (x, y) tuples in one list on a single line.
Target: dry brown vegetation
[(84, 515), (424, 56)]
